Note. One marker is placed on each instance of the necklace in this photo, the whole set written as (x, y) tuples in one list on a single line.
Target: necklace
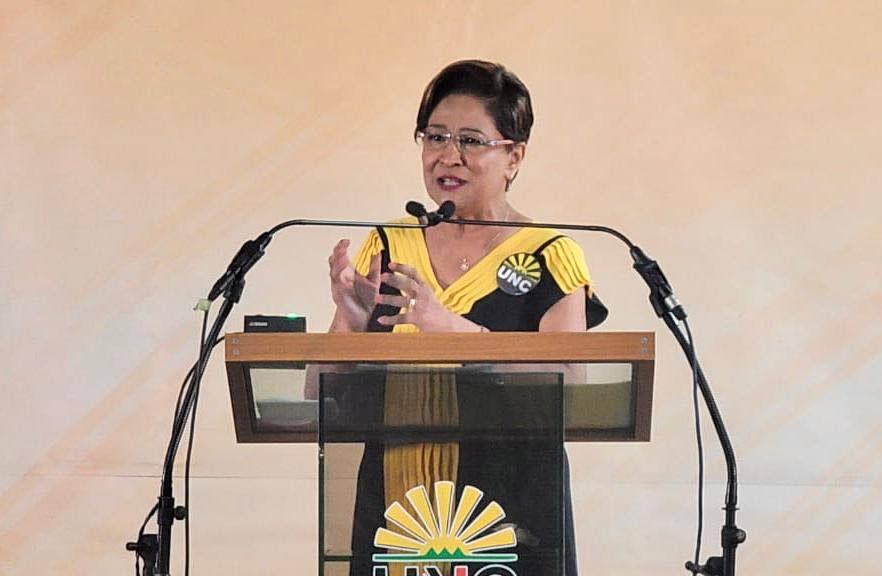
[(465, 264)]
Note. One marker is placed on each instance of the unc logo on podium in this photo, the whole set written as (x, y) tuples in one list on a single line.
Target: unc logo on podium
[(442, 533)]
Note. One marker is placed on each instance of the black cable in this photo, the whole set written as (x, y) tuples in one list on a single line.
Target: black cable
[(693, 362), (209, 344), (141, 533), (730, 535), (203, 352), (192, 369), (201, 363), (181, 391)]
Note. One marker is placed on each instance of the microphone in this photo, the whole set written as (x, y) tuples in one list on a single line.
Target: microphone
[(247, 256), (444, 212), (417, 210)]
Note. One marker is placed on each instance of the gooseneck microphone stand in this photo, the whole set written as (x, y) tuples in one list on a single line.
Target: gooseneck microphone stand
[(666, 307), (155, 549)]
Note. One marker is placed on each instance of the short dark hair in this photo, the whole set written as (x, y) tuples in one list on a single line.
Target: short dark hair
[(505, 97)]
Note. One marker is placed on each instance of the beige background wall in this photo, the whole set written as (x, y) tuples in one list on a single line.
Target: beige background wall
[(142, 142)]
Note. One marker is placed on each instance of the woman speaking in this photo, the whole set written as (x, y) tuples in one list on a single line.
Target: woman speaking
[(473, 126)]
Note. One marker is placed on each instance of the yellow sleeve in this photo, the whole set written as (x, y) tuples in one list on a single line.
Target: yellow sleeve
[(371, 247), (566, 262)]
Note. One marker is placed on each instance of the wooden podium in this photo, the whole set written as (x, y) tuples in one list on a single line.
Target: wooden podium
[(616, 406)]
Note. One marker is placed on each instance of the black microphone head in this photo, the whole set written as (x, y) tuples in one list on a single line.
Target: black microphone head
[(446, 209), (415, 209)]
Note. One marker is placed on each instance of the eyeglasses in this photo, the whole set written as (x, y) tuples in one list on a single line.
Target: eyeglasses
[(466, 143)]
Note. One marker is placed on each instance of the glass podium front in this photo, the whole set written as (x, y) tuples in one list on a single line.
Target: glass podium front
[(443, 471)]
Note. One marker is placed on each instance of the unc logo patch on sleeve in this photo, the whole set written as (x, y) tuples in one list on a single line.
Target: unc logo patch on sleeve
[(518, 274)]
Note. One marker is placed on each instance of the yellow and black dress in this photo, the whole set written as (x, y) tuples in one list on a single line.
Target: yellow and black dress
[(510, 289)]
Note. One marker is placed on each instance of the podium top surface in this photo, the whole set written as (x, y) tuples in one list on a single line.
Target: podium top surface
[(447, 347)]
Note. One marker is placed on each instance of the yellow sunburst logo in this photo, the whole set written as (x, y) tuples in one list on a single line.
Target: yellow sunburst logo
[(441, 533), (518, 274)]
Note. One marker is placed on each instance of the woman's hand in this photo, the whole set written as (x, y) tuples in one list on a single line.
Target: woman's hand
[(352, 293), (420, 307)]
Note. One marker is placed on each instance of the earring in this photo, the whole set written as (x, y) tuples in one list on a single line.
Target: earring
[(508, 181)]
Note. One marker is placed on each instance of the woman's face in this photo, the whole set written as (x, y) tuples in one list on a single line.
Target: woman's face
[(474, 180)]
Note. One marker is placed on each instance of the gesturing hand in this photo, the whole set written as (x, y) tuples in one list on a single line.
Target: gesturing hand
[(419, 305), (352, 293)]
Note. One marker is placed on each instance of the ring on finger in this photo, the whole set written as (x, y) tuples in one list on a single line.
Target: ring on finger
[(411, 304)]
